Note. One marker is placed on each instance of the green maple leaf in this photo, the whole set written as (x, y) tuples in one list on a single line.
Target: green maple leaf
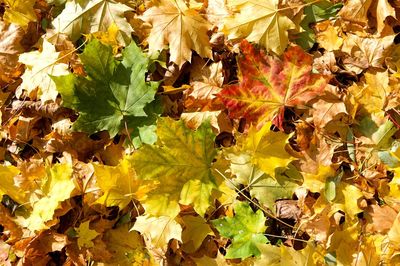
[(114, 95), (245, 229), (181, 162)]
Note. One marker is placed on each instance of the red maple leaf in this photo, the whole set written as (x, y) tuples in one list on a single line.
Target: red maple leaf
[(267, 85)]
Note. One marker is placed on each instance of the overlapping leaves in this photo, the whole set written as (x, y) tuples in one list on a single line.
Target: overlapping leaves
[(304, 171)]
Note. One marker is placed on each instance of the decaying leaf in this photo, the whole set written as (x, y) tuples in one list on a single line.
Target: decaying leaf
[(10, 48), (199, 132)]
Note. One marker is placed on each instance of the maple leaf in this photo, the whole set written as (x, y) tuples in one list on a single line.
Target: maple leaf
[(158, 230), (20, 12), (126, 247), (86, 235), (327, 36), (375, 95), (38, 250), (181, 27), (356, 11), (181, 161), (245, 229), (90, 16), (280, 256), (39, 65), (57, 187), (345, 199), (267, 85), (113, 95), (8, 184), (263, 148), (366, 51), (206, 82), (195, 231), (259, 22), (119, 184)]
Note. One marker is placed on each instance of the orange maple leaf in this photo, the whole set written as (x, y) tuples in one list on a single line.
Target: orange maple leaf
[(268, 85)]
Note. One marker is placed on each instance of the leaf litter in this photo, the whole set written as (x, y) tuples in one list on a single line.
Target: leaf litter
[(215, 132)]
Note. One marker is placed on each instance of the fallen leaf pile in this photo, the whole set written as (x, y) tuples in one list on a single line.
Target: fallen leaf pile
[(200, 132)]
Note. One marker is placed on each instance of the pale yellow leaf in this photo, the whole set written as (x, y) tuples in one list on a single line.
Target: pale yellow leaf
[(39, 65), (260, 22), (158, 231), (83, 17), (180, 27)]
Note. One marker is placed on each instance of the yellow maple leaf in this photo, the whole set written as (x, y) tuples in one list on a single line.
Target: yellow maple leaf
[(126, 247), (262, 148), (316, 182), (20, 12), (158, 231), (195, 231), (180, 162), (110, 37), (183, 28), (260, 22), (8, 186), (39, 65), (57, 187), (351, 249), (346, 198), (119, 183), (280, 256), (374, 94), (328, 37), (86, 235)]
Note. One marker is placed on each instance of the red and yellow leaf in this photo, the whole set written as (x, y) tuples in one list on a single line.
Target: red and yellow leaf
[(267, 85)]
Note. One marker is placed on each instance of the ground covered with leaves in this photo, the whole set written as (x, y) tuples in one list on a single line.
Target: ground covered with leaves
[(201, 132)]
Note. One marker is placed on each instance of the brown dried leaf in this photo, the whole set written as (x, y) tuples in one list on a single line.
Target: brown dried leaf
[(10, 48), (379, 218), (37, 251)]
